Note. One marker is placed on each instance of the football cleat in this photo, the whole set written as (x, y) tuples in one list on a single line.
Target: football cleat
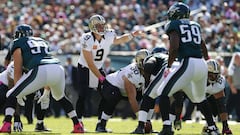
[(138, 130), (177, 124), (207, 131), (6, 127), (226, 132), (167, 130), (41, 128), (78, 128), (102, 129)]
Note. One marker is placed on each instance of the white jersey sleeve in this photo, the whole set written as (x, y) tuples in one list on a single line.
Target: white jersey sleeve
[(216, 87), (8, 72), (99, 49), (131, 72), (3, 77)]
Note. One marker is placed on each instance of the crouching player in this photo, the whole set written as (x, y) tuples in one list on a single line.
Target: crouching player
[(215, 94), (122, 84)]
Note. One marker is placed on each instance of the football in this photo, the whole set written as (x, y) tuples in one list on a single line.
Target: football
[(148, 127)]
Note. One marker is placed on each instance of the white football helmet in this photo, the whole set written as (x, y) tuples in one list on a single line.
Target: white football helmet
[(140, 56), (97, 24)]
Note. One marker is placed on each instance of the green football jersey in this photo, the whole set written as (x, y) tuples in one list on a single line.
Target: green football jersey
[(35, 51), (190, 37)]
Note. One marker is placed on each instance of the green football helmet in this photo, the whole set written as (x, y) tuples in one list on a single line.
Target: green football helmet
[(23, 30), (178, 11)]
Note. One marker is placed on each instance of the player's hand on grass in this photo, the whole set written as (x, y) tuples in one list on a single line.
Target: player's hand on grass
[(17, 126)]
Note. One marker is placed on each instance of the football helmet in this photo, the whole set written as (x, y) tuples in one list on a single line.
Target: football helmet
[(159, 50), (140, 56), (213, 70), (97, 24), (178, 10), (23, 30)]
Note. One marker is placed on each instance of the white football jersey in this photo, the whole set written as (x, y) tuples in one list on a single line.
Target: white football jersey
[(3, 77), (8, 72), (216, 87), (131, 72), (99, 50)]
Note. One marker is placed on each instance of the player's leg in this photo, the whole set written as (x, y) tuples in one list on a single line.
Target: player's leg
[(220, 103), (179, 78), (3, 91), (25, 86), (83, 88), (189, 110), (17, 126), (148, 102), (56, 82), (28, 113), (110, 97), (176, 109), (41, 109)]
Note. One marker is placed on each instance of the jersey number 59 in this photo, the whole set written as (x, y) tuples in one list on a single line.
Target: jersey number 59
[(192, 33)]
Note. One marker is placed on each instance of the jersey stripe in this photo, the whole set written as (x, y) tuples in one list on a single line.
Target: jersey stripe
[(26, 82), (175, 77)]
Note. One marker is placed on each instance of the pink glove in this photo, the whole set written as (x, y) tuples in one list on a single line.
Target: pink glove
[(101, 79), (166, 72)]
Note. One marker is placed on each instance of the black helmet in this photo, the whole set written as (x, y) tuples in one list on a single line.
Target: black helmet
[(159, 50), (178, 10), (23, 30)]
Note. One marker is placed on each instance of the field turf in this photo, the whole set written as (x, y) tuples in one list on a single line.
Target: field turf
[(63, 126)]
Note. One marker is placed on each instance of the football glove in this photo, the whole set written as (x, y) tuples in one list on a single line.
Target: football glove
[(21, 101), (17, 126), (44, 99)]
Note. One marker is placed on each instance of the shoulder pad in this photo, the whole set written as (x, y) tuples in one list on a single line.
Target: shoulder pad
[(172, 26)]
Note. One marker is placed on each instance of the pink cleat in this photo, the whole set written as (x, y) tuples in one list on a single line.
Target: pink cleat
[(6, 127), (78, 128), (226, 132)]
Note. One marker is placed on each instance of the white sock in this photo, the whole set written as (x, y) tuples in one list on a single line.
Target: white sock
[(72, 114), (39, 121), (142, 116), (150, 114), (172, 117), (167, 122), (9, 111), (105, 116)]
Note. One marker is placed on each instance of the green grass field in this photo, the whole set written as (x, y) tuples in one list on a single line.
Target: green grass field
[(63, 126)]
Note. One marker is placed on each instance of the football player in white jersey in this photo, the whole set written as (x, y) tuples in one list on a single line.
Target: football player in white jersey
[(122, 84), (95, 47), (215, 94)]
